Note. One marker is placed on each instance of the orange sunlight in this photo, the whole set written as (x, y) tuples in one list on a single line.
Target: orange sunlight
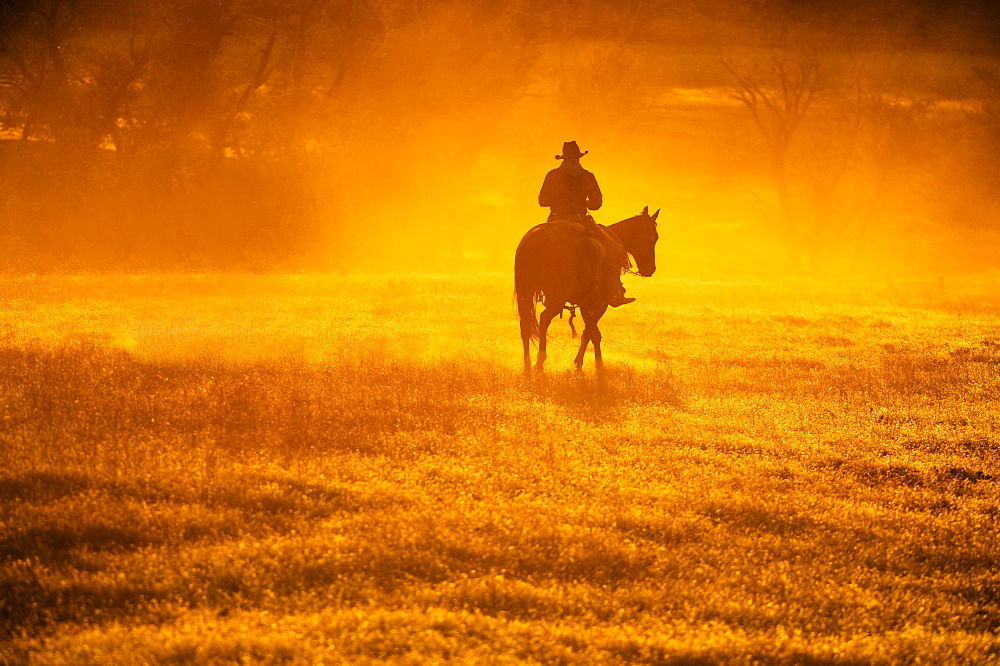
[(856, 141), (292, 372)]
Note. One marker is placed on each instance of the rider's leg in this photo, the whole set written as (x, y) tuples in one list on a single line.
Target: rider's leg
[(615, 261)]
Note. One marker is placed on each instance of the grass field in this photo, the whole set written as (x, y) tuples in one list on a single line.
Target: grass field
[(329, 469)]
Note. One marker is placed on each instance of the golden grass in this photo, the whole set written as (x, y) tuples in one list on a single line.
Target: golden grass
[(309, 469)]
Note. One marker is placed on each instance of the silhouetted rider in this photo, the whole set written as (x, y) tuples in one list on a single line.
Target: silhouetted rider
[(569, 191)]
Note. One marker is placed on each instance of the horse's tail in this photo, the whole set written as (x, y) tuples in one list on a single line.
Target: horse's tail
[(526, 289)]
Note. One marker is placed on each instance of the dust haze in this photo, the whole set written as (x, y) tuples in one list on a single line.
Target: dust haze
[(828, 138)]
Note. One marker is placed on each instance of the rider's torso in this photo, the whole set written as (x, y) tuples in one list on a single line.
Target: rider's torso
[(570, 190)]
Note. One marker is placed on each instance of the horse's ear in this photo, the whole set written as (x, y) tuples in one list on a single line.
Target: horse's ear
[(654, 215), (645, 211)]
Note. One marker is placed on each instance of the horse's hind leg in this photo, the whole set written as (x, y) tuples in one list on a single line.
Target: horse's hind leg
[(526, 341), (598, 359), (591, 334), (544, 320), (584, 341)]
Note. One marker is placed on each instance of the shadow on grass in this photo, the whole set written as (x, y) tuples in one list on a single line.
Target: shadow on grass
[(42, 486), (56, 544), (30, 604), (607, 396), (126, 516)]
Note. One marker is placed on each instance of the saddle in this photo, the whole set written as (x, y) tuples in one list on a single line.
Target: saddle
[(594, 251)]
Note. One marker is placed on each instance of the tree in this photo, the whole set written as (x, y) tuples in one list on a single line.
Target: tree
[(32, 37), (891, 127), (778, 89)]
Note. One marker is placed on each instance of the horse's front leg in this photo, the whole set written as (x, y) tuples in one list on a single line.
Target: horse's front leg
[(544, 320)]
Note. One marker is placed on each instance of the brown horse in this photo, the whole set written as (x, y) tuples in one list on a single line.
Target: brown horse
[(551, 266)]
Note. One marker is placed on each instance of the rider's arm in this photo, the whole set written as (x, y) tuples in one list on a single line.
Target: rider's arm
[(594, 196), (545, 196)]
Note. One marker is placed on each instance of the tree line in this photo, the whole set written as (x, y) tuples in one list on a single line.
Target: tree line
[(187, 133)]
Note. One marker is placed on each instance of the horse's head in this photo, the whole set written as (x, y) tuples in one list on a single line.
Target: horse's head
[(642, 242)]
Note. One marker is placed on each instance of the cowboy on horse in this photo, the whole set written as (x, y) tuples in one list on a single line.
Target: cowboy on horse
[(572, 259), (570, 191)]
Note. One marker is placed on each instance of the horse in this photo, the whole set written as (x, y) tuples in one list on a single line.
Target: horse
[(551, 267)]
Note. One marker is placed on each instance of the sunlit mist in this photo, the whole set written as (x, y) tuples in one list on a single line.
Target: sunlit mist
[(414, 136), (294, 370)]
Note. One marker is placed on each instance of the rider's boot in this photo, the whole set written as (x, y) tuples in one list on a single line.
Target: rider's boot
[(618, 297)]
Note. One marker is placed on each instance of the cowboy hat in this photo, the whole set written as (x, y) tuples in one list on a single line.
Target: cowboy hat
[(571, 150)]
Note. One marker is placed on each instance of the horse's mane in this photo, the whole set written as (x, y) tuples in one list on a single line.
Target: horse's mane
[(627, 226)]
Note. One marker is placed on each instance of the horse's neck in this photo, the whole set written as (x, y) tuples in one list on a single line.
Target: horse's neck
[(624, 230)]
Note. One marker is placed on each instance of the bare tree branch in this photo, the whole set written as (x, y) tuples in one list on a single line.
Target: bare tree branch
[(778, 93)]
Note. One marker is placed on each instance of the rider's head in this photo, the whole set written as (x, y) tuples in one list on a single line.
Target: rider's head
[(571, 152)]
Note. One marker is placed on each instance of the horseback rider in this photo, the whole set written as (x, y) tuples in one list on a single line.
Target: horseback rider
[(569, 191)]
